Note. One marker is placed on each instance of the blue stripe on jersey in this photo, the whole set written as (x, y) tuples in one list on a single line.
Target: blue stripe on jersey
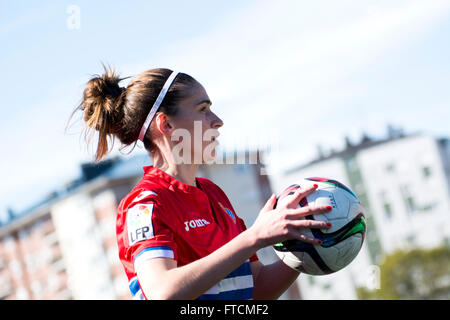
[(152, 248), (134, 287), (152, 252), (238, 285), (241, 294)]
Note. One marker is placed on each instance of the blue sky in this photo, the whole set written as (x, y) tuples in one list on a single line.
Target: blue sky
[(294, 73)]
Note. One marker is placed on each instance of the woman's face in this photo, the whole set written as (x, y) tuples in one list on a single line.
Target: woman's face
[(196, 128)]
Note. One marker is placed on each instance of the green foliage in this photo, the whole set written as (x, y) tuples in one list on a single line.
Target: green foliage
[(415, 274)]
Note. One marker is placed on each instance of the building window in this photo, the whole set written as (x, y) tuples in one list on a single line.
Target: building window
[(407, 199), (410, 203), (352, 165), (390, 168), (426, 171), (387, 210), (411, 239), (327, 286), (386, 205)]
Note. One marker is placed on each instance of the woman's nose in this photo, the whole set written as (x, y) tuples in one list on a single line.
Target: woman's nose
[(216, 122)]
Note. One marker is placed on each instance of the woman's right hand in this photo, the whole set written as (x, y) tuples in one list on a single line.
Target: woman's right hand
[(284, 222)]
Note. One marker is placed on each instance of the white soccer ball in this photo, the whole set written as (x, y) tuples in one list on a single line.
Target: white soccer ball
[(340, 244)]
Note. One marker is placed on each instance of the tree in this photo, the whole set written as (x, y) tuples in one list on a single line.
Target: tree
[(414, 274)]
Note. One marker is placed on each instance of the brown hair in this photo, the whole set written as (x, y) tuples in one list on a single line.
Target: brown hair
[(119, 112)]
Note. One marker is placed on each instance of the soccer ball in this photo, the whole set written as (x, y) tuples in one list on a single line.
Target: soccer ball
[(340, 244)]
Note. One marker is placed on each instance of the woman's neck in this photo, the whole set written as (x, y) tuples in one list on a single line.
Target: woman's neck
[(182, 172)]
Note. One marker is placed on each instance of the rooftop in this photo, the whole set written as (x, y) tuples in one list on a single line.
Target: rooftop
[(111, 169), (352, 148)]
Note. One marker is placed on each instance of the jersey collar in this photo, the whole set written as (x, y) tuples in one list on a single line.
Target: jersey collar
[(153, 171)]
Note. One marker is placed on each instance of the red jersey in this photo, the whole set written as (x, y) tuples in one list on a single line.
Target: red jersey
[(163, 217)]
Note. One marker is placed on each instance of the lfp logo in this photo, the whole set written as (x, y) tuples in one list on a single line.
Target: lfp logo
[(230, 213), (139, 223)]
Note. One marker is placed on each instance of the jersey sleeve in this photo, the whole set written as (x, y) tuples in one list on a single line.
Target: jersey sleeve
[(147, 234)]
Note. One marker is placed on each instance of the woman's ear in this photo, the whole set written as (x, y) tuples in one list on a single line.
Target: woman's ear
[(163, 124)]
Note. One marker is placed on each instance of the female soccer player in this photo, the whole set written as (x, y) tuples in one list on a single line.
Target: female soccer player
[(178, 235)]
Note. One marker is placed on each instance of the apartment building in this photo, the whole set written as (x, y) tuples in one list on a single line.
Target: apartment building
[(64, 247), (403, 183)]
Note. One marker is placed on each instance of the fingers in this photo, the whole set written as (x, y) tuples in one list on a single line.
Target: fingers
[(296, 234), (306, 211), (299, 194), (310, 240), (311, 224), (296, 223), (270, 204)]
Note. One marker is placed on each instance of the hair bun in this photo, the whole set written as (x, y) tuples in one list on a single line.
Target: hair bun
[(102, 104)]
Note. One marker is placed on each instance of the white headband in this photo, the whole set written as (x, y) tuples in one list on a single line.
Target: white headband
[(156, 105)]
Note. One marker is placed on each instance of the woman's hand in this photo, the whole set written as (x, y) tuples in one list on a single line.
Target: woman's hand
[(284, 222)]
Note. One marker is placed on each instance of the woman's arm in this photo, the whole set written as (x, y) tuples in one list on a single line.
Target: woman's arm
[(160, 278), (270, 281)]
